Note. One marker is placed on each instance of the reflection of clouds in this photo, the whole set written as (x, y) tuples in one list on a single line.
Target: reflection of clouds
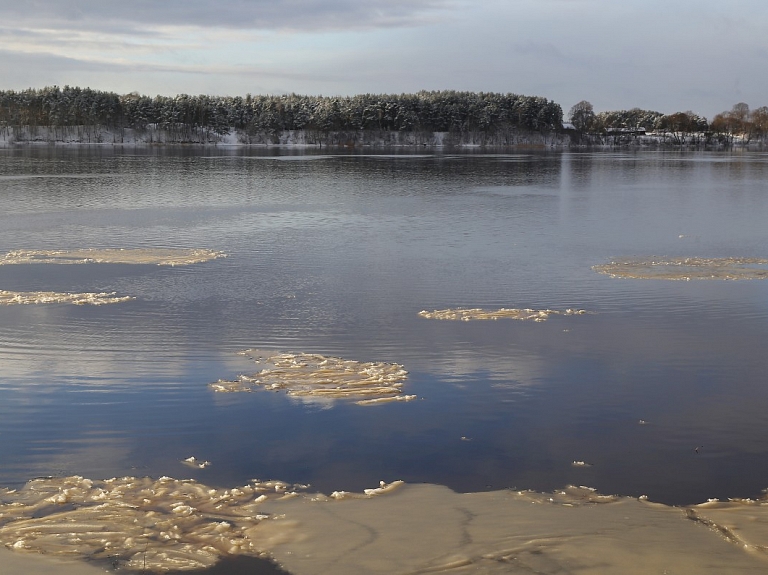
[(88, 367), (79, 362), (314, 403), (94, 454), (516, 370)]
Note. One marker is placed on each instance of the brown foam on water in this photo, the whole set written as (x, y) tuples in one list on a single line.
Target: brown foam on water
[(157, 525), (319, 376), (687, 268), (38, 297), (158, 256), (505, 313)]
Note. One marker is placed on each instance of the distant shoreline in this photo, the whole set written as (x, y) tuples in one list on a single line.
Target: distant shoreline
[(154, 135), (511, 138)]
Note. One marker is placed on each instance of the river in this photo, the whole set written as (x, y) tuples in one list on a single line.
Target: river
[(658, 388)]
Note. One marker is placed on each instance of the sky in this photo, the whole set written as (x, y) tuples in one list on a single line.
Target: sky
[(662, 55)]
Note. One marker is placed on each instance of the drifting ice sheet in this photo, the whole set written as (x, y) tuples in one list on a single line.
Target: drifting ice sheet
[(395, 528), (510, 313), (314, 375), (687, 269), (163, 524), (36, 297), (158, 256)]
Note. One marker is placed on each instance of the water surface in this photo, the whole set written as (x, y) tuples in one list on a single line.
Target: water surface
[(336, 254)]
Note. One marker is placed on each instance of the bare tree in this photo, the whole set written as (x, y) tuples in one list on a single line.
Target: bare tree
[(582, 116), (759, 120)]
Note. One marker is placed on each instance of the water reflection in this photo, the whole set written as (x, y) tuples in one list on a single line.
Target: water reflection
[(335, 255)]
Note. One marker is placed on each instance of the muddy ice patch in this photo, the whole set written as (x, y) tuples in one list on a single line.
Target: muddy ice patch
[(155, 525), (49, 297), (151, 256), (472, 314), (686, 269), (307, 375)]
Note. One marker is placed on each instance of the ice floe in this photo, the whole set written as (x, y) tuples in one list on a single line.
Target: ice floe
[(320, 376), (39, 297), (195, 463), (157, 256), (505, 313), (164, 523), (141, 523), (687, 268)]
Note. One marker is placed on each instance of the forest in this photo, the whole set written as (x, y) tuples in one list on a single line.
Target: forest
[(443, 111), (739, 124), (202, 118)]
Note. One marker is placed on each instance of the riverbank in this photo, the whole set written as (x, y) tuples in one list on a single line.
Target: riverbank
[(39, 564), (156, 135), (153, 135), (396, 528)]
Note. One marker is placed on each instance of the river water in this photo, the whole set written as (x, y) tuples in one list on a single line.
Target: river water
[(661, 388)]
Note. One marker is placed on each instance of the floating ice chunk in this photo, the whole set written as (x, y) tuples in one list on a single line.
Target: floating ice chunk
[(43, 297), (537, 315), (235, 386), (318, 377), (380, 400), (383, 488), (684, 269), (171, 523), (195, 463), (158, 256)]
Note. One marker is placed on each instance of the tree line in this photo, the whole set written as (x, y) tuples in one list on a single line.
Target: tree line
[(434, 111), (455, 112), (680, 127)]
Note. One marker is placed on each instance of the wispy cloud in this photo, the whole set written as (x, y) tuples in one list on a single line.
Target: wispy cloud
[(701, 55), (313, 15), (116, 65)]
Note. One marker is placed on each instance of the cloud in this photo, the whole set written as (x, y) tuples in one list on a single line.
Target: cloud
[(314, 15), (35, 69), (661, 55)]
